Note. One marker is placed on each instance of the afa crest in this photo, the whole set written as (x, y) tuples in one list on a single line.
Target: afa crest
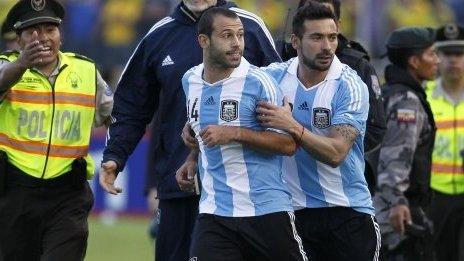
[(321, 118), (229, 110)]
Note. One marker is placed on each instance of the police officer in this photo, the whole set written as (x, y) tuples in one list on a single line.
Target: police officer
[(151, 86), (49, 102), (354, 55), (446, 97), (405, 155)]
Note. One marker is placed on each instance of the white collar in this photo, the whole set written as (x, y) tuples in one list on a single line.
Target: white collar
[(440, 91), (240, 72), (335, 70)]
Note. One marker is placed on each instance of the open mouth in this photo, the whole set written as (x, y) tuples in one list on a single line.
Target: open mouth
[(46, 50), (234, 55)]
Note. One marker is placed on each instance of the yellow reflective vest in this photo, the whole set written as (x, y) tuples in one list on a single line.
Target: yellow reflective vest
[(447, 161), (45, 126)]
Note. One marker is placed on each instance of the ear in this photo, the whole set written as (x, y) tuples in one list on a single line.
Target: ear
[(296, 42), (414, 62), (19, 41), (203, 40)]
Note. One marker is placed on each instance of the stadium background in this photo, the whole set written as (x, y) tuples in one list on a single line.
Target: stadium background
[(102, 28)]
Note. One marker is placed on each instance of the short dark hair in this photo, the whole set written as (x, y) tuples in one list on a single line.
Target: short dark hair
[(310, 11), (205, 25), (401, 56), (335, 3)]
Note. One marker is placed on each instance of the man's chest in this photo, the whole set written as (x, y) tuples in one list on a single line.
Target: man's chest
[(216, 106), (312, 108)]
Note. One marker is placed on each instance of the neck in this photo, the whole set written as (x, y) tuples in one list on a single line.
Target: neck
[(310, 77), (415, 76), (48, 68), (214, 73), (453, 86)]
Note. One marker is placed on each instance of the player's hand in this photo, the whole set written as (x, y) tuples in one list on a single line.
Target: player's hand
[(107, 176), (399, 215), (273, 116), (188, 138), (213, 135), (31, 55), (185, 176)]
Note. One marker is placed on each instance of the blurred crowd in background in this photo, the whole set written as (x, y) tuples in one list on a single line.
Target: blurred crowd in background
[(108, 30)]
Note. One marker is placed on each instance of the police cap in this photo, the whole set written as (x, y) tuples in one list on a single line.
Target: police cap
[(450, 38), (26, 13), (411, 38)]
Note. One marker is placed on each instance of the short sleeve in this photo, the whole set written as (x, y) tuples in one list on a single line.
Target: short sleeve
[(351, 104)]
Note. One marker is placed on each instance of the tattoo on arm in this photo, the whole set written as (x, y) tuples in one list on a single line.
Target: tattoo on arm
[(348, 132)]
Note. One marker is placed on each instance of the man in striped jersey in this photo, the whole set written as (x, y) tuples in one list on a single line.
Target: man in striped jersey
[(150, 87), (245, 208), (326, 114)]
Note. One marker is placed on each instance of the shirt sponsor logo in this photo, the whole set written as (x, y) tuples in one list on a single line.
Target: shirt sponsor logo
[(304, 106), (210, 101), (167, 61)]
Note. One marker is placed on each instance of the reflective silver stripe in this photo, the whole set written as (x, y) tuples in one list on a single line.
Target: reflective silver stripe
[(296, 236), (379, 239), (40, 148), (46, 98)]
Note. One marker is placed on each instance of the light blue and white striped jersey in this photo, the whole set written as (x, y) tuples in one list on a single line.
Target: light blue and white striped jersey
[(342, 98), (236, 181)]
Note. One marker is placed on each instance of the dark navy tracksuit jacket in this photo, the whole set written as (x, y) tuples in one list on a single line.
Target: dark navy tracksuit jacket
[(151, 86)]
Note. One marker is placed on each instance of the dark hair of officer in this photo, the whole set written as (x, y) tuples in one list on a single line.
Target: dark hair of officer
[(335, 3), (408, 41), (8, 32), (205, 25), (310, 11)]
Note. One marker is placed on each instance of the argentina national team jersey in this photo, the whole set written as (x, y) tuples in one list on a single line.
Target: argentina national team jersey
[(237, 181), (342, 98)]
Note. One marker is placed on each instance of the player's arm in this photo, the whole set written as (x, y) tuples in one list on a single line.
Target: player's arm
[(266, 141), (31, 56), (135, 102), (348, 121), (330, 150)]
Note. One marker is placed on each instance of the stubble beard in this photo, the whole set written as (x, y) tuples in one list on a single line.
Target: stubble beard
[(312, 64)]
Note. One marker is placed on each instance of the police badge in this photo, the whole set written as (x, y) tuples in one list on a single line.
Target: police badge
[(229, 110), (38, 5), (321, 118)]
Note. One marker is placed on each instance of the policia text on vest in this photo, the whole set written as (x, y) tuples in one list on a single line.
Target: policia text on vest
[(66, 124)]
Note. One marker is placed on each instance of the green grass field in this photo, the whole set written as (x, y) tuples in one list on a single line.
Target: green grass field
[(123, 238)]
